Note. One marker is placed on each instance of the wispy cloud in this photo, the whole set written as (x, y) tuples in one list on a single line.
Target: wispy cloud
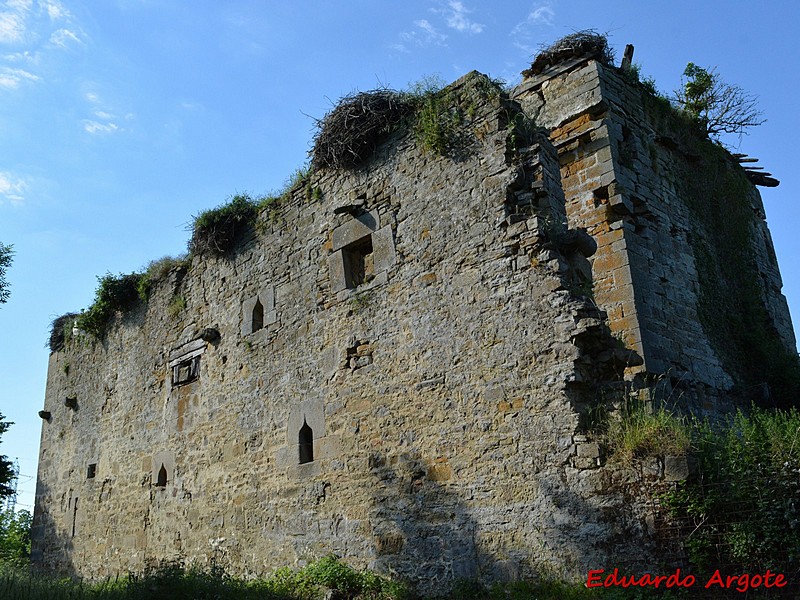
[(102, 120), (456, 18), (524, 35), (33, 29), (55, 10), (97, 128), (13, 17), (10, 79), (64, 37), (12, 189), (424, 34)]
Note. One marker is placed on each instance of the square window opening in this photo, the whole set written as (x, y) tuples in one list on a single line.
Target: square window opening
[(186, 371)]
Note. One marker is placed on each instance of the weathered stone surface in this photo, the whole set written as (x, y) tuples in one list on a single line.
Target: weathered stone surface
[(420, 416)]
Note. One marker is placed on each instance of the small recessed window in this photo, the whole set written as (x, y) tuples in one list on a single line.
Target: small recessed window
[(162, 477), (91, 471), (186, 371), (358, 262), (258, 316), (306, 443)]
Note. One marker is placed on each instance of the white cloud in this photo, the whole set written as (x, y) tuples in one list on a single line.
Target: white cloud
[(541, 15), (456, 17), (62, 37), (34, 30), (425, 34), (97, 128), (12, 27), (12, 188), (55, 10), (11, 78)]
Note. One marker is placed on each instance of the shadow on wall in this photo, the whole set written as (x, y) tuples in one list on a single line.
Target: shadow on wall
[(52, 549), (422, 531), (566, 522)]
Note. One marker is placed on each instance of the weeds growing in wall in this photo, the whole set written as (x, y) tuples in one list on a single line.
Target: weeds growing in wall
[(157, 270), (641, 431)]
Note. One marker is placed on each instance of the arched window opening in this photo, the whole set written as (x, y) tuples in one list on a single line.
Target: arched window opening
[(306, 443), (258, 316), (162, 476)]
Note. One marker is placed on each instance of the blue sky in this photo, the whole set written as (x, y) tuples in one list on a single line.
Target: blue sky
[(120, 119)]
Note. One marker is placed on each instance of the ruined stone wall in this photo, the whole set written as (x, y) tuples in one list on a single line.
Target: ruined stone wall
[(400, 369), (662, 203), (437, 392)]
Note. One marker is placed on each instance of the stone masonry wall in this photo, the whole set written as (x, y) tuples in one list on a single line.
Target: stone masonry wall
[(634, 180), (395, 374), (436, 392)]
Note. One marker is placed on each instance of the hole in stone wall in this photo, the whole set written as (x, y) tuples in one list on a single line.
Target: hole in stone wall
[(162, 477), (91, 471), (306, 443), (358, 262), (258, 316)]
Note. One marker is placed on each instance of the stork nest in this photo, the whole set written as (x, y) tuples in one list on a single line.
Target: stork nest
[(358, 124), (60, 330), (586, 43)]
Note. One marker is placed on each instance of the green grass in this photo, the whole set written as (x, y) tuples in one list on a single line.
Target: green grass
[(174, 582)]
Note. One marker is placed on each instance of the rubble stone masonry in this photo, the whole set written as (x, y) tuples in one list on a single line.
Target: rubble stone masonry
[(402, 369)]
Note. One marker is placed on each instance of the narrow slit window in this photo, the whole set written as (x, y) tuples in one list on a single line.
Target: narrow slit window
[(306, 443), (162, 477), (74, 516), (258, 316), (91, 472)]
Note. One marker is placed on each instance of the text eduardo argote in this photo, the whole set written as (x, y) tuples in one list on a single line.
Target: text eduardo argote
[(741, 583)]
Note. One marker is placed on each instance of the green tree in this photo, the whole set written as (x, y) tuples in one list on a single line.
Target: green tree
[(6, 467), (6, 252), (717, 106), (15, 537)]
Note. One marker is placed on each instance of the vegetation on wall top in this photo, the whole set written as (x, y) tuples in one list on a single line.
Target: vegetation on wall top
[(114, 293), (718, 107), (349, 134), (216, 230)]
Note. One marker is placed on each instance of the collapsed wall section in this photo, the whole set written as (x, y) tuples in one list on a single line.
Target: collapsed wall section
[(392, 375)]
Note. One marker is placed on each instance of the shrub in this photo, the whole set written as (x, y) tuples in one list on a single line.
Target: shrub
[(217, 230), (718, 107), (114, 294), (741, 510)]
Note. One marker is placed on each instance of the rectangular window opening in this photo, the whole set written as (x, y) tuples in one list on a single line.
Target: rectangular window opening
[(358, 262), (91, 471)]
